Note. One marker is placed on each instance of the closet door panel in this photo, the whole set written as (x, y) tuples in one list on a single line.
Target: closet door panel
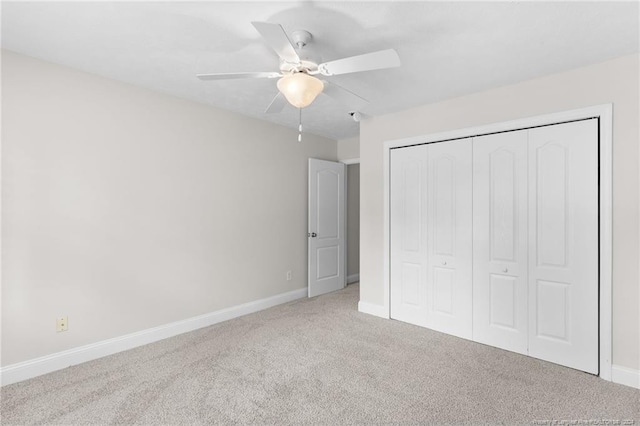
[(500, 240), (408, 205), (449, 246), (563, 249)]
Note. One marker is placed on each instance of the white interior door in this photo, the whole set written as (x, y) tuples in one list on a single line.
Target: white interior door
[(563, 244), (500, 283), (408, 204), (326, 236), (449, 224)]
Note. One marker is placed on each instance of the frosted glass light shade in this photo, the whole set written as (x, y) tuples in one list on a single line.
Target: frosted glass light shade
[(300, 88)]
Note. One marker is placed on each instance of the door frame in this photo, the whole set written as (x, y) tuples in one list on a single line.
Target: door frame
[(604, 113)]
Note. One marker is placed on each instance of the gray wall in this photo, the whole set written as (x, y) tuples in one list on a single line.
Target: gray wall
[(127, 209), (353, 219), (613, 81)]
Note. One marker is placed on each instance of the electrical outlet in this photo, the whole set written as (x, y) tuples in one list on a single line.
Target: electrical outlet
[(288, 275), (62, 324)]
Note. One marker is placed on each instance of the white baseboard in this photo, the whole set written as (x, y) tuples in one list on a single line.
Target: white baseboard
[(353, 278), (371, 309), (57, 361), (625, 376)]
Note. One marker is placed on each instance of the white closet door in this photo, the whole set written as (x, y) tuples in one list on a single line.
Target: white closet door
[(408, 204), (500, 240), (563, 244), (449, 222)]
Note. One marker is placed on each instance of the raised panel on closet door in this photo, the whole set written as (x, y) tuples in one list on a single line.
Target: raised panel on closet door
[(449, 244), (500, 240), (563, 244), (408, 234)]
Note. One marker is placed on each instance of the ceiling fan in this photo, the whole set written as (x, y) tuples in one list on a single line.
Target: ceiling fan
[(298, 76)]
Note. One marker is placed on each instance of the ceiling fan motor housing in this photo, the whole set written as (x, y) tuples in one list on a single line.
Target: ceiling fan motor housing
[(308, 59), (301, 38)]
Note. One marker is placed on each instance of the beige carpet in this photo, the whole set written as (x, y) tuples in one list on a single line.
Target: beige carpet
[(316, 361)]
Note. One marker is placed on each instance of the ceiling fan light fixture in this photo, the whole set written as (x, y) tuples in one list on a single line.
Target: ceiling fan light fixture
[(300, 88)]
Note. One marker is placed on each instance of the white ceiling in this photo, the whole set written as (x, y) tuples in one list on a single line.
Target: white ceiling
[(447, 49)]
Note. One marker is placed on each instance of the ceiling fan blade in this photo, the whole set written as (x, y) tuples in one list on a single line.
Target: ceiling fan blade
[(235, 75), (277, 104), (344, 96), (276, 38), (369, 61)]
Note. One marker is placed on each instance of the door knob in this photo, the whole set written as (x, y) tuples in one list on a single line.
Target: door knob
[(312, 235), (505, 270), (444, 262)]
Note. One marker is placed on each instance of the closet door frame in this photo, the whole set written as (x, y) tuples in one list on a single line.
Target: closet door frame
[(604, 115)]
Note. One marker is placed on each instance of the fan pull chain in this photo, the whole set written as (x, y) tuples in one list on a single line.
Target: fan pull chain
[(300, 125)]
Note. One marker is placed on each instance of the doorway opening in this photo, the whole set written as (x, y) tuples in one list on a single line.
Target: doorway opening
[(353, 223)]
